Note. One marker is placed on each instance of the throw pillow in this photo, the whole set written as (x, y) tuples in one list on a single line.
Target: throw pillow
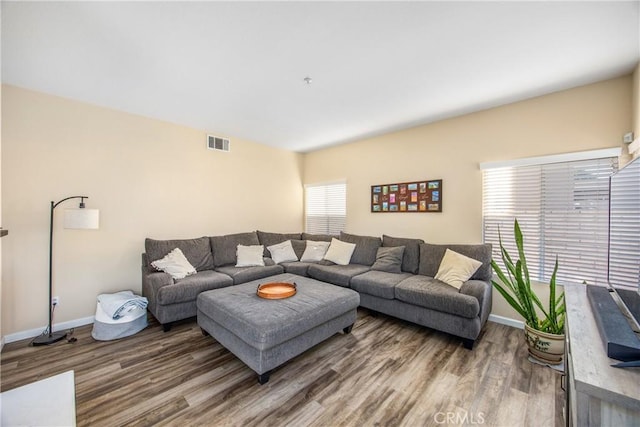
[(389, 259), (339, 252), (249, 256), (224, 248), (269, 239), (175, 264), (282, 252), (455, 268), (315, 251)]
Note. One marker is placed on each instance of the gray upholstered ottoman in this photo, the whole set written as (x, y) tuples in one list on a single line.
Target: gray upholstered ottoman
[(266, 333)]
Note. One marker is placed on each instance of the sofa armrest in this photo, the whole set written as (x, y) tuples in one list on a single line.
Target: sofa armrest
[(483, 292), (146, 268), (151, 284)]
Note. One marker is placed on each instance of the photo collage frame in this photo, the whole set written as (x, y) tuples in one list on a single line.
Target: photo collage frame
[(415, 196)]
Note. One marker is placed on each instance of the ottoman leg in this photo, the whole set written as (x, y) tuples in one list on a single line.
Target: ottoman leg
[(166, 327), (205, 333), (348, 329), (468, 343), (263, 378)]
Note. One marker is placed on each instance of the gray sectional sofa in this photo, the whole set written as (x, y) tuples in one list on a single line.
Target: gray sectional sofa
[(407, 291)]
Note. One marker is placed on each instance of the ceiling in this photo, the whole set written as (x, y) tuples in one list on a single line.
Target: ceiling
[(237, 69)]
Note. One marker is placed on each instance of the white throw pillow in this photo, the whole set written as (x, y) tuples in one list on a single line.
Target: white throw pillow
[(314, 251), (282, 252), (340, 252), (175, 264), (455, 268), (249, 256)]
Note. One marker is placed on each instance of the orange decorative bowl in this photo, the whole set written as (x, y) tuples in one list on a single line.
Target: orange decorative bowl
[(276, 290)]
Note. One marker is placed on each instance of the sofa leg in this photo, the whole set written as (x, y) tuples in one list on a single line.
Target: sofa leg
[(468, 343), (348, 329), (264, 378), (166, 327), (205, 333)]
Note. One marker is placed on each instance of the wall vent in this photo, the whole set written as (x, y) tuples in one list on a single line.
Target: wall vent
[(218, 143)]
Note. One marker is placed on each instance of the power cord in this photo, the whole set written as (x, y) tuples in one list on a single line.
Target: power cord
[(46, 329), (70, 338)]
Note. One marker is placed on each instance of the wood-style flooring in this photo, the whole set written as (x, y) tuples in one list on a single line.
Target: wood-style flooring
[(387, 372)]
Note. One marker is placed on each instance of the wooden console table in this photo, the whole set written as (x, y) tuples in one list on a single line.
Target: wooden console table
[(597, 394)]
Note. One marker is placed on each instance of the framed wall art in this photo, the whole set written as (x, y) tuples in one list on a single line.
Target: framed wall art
[(415, 196)]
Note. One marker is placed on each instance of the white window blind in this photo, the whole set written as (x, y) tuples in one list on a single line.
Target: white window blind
[(326, 208), (562, 209), (624, 252)]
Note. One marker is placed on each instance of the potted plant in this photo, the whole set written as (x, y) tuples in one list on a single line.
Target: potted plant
[(544, 326)]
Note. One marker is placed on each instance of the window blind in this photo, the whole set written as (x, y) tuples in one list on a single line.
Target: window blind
[(326, 208), (562, 209), (624, 252)]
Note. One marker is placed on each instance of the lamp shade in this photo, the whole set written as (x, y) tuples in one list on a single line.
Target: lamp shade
[(82, 218)]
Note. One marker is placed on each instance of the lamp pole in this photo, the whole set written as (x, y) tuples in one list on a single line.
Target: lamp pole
[(52, 337)]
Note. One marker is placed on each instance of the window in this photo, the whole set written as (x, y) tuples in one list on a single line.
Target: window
[(624, 223), (562, 208), (326, 208)]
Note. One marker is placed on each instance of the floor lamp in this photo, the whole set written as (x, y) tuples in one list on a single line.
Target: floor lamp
[(80, 218)]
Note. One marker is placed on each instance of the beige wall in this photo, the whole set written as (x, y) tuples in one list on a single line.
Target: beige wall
[(585, 118), (156, 179), (148, 178)]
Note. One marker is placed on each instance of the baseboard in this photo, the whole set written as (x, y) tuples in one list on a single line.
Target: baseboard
[(506, 321), (88, 320), (56, 327)]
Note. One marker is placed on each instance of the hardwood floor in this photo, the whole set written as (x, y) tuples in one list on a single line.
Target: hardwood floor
[(385, 373)]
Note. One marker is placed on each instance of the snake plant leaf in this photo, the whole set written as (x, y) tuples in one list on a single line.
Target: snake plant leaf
[(514, 284)]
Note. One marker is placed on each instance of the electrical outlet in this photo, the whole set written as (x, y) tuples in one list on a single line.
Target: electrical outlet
[(55, 300)]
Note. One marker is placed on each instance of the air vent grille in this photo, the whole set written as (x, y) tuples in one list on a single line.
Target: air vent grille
[(217, 143)]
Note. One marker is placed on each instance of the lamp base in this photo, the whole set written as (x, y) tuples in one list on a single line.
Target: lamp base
[(48, 338)]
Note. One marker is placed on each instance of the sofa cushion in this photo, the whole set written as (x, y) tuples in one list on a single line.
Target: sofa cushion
[(270, 239), (298, 247), (366, 248), (411, 256), (197, 251), (318, 237), (389, 259), (314, 251), (378, 283), (224, 247), (455, 268), (247, 274), (431, 257), (249, 256), (433, 294), (296, 267), (340, 252), (188, 289), (175, 264), (300, 267), (337, 274)]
